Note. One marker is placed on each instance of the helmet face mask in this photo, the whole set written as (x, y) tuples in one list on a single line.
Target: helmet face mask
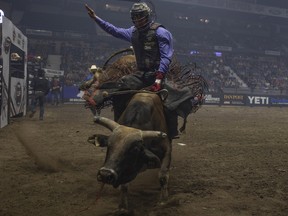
[(140, 15)]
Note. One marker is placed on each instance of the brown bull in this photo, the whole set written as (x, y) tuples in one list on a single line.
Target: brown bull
[(182, 85), (137, 142)]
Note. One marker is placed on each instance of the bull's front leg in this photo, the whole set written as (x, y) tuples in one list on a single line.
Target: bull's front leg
[(123, 205), (164, 177), (123, 197)]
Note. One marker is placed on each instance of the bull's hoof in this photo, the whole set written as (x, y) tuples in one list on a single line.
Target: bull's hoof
[(161, 203), (182, 130), (176, 137), (169, 202), (163, 200), (124, 212)]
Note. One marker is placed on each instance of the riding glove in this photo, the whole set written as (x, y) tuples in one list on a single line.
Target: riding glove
[(158, 82)]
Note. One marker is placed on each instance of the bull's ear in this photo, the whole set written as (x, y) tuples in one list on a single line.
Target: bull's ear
[(152, 161), (153, 134), (98, 140), (108, 123)]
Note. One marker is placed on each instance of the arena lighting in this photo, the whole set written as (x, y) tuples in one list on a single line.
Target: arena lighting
[(116, 8), (183, 17), (206, 21), (194, 52), (218, 54), (1, 14)]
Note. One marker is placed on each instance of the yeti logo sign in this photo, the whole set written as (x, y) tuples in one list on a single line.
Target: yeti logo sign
[(257, 100)]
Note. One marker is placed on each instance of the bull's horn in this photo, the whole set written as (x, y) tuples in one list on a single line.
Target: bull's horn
[(108, 123), (153, 134)]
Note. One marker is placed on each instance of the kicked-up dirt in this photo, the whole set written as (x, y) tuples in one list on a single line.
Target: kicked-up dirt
[(232, 161)]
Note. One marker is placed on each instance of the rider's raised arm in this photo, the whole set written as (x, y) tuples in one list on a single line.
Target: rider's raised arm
[(121, 33)]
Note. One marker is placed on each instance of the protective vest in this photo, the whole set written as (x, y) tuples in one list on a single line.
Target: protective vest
[(40, 84), (146, 48)]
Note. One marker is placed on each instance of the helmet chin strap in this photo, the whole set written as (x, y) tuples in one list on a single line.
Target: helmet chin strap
[(142, 24), (144, 27)]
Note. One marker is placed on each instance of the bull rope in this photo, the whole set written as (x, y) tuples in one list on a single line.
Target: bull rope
[(129, 91), (117, 53)]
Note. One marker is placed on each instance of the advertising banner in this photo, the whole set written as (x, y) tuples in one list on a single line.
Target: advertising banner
[(258, 100), (278, 100), (53, 73), (71, 94), (234, 99), (213, 99), (14, 72), (3, 96)]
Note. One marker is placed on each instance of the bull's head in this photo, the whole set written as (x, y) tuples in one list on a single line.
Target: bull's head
[(126, 153)]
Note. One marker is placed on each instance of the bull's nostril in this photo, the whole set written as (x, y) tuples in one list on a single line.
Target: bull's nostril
[(107, 176), (110, 178), (99, 177)]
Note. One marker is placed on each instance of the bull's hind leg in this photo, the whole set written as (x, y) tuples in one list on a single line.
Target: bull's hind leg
[(163, 179), (183, 127), (164, 176)]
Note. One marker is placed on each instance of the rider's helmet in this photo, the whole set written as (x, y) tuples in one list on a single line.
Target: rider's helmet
[(140, 15)]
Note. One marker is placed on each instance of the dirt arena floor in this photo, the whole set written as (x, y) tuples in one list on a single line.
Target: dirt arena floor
[(232, 161)]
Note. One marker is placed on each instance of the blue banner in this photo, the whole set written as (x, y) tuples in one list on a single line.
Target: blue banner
[(71, 94)]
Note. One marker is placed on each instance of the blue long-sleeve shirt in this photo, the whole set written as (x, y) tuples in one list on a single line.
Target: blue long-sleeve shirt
[(163, 35)]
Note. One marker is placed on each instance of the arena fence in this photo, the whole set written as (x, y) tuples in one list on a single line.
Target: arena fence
[(227, 99)]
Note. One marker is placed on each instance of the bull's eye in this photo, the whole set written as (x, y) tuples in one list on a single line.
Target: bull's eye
[(135, 149)]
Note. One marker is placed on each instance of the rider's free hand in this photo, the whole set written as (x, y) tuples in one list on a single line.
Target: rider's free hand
[(91, 12)]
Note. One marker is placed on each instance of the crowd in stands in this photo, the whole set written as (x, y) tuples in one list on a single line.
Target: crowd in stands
[(225, 71), (262, 72), (238, 71), (76, 56), (214, 70)]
